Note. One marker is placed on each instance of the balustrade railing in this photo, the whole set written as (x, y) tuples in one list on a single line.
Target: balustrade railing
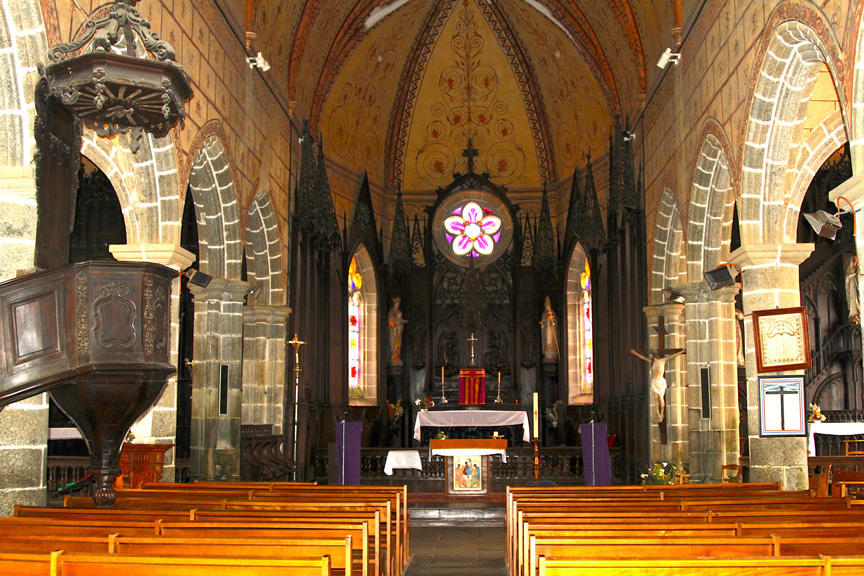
[(559, 464)]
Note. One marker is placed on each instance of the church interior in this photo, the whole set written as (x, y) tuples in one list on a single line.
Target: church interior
[(468, 247)]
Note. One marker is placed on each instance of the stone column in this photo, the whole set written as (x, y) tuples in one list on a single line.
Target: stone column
[(23, 425), (159, 424), (770, 277), (712, 344), (218, 355), (264, 336), (675, 450)]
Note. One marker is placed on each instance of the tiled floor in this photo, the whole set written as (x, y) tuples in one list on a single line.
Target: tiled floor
[(457, 551)]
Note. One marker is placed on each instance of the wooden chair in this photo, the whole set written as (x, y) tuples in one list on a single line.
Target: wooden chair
[(735, 478), (854, 447)]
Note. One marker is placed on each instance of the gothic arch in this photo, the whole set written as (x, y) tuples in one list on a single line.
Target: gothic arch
[(667, 266), (580, 389), (787, 66), (856, 99), (263, 251), (212, 188), (712, 203)]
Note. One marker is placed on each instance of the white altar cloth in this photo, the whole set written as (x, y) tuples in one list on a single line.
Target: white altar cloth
[(402, 459), (832, 428), (465, 418)]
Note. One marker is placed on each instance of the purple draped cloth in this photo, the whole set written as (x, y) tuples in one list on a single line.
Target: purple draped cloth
[(595, 454), (348, 453)]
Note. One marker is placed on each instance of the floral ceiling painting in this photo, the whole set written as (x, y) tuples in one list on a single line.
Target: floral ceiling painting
[(357, 111), (470, 91)]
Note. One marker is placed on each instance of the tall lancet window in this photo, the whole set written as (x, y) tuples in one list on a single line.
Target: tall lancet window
[(580, 330), (362, 319)]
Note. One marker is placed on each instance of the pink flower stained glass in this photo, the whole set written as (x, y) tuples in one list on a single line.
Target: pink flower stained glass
[(473, 230)]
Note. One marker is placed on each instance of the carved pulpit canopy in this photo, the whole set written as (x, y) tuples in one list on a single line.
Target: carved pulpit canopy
[(103, 77)]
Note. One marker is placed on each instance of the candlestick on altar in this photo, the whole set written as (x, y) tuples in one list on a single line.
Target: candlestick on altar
[(443, 396), (296, 342), (498, 400)]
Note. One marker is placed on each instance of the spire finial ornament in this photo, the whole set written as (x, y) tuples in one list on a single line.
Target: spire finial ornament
[(470, 153)]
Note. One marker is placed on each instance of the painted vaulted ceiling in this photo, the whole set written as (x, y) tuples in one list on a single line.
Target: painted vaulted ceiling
[(397, 88)]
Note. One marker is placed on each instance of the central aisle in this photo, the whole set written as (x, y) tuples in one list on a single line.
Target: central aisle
[(446, 551)]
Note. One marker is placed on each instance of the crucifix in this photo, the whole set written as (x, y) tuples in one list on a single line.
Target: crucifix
[(471, 340), (657, 359)]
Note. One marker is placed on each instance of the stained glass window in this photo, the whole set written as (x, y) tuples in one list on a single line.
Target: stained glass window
[(355, 284), (472, 230), (580, 330)]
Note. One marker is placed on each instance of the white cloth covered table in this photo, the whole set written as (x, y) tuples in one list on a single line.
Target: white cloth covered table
[(832, 428), (402, 459), (465, 418)]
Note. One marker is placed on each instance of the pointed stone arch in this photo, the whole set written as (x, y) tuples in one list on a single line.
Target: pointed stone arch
[(216, 209), (797, 42), (667, 267), (712, 203), (263, 251)]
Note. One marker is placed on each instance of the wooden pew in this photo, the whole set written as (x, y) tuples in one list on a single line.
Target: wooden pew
[(785, 566), (28, 563), (142, 565), (363, 527)]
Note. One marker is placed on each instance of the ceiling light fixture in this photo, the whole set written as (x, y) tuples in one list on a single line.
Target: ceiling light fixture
[(258, 62), (668, 56)]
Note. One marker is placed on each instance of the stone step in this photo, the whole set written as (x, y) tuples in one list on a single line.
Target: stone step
[(478, 515)]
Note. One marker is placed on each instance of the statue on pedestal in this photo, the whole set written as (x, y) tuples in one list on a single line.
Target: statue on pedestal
[(396, 324), (852, 289), (550, 337)]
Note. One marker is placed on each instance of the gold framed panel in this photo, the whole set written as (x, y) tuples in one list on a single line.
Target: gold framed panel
[(782, 339), (467, 475)]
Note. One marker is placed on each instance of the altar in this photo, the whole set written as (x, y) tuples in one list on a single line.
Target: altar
[(467, 463), (466, 418)]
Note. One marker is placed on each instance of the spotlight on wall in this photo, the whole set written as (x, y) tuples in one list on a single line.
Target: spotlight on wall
[(668, 56), (259, 62), (628, 135), (672, 295), (197, 278), (721, 276), (825, 224)]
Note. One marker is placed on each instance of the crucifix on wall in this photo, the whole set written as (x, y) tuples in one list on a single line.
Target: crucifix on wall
[(657, 359)]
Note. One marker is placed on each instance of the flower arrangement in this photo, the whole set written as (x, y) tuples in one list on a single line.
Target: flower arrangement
[(395, 410), (816, 414), (426, 403), (660, 473), (440, 435)]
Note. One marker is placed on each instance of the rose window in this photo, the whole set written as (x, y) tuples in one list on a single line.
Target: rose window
[(472, 230)]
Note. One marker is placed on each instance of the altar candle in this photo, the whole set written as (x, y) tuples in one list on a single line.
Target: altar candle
[(536, 427), (499, 377), (442, 375)]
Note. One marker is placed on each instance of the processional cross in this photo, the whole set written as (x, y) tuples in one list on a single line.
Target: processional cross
[(471, 340)]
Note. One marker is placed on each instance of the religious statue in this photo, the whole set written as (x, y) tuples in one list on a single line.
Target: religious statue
[(396, 324), (449, 357), (550, 337), (495, 356), (739, 336), (658, 378), (852, 290)]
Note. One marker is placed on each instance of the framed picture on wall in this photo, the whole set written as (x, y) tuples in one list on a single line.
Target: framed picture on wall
[(781, 406), (782, 339)]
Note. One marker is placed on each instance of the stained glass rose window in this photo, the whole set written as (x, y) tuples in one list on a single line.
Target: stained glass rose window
[(472, 230)]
